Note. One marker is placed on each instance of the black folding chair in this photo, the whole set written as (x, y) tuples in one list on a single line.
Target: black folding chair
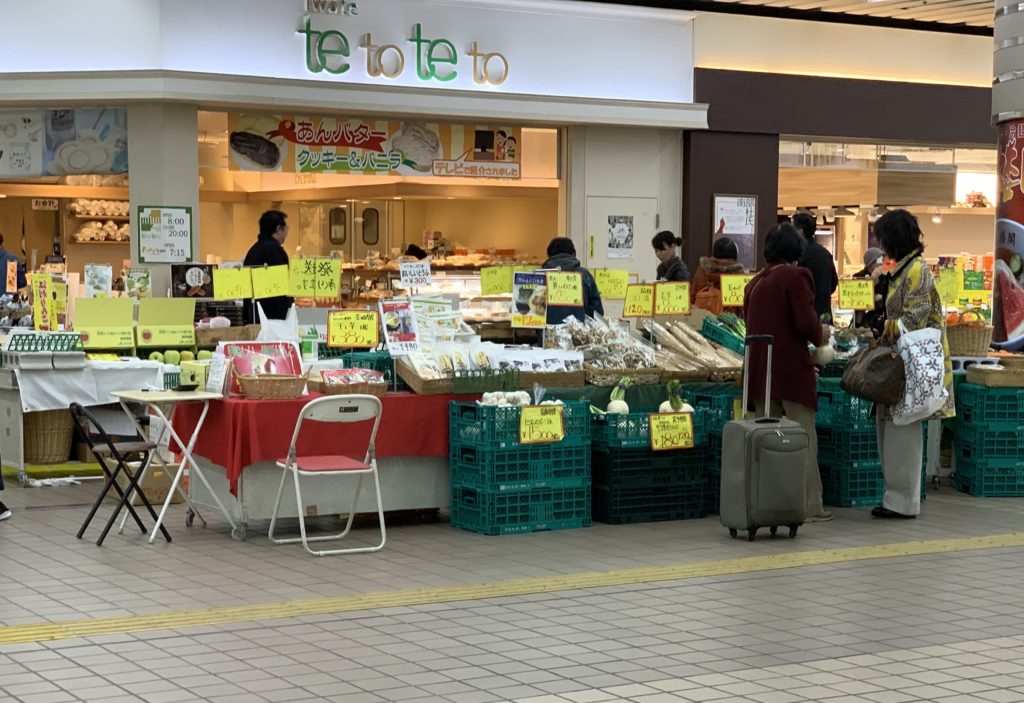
[(115, 454)]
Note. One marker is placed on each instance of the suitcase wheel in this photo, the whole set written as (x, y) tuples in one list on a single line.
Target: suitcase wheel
[(751, 534), (774, 529), (732, 532), (792, 531)]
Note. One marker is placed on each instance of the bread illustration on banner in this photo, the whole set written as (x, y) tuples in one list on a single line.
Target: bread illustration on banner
[(419, 146)]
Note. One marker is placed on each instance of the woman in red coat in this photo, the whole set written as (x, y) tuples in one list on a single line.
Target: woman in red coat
[(780, 301)]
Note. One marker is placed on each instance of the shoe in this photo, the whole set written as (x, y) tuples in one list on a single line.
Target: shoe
[(823, 516), (886, 514), (5, 512)]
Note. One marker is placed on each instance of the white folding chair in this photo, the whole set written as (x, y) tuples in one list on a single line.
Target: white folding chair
[(337, 408)]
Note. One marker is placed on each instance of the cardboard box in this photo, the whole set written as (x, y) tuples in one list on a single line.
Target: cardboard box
[(156, 485), (194, 372)]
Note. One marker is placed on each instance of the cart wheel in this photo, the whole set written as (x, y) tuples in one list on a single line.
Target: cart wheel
[(792, 531), (238, 532), (23, 479), (732, 533), (190, 517), (774, 530), (751, 534)]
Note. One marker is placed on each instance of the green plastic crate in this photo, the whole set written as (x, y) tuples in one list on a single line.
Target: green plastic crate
[(852, 487), (975, 443), (840, 447), (512, 512), (720, 403), (533, 466), (833, 369), (642, 468), (494, 427), (632, 430), (172, 380), (993, 408), (618, 505), (990, 478), (713, 493), (840, 410), (716, 332)]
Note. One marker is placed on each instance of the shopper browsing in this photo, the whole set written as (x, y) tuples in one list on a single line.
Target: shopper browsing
[(269, 251), (819, 262), (562, 256), (706, 290), (779, 301), (666, 248), (913, 300), (872, 319)]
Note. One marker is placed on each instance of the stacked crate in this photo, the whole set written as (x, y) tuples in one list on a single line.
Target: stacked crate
[(989, 441), (633, 483), (720, 405), (851, 469), (500, 486)]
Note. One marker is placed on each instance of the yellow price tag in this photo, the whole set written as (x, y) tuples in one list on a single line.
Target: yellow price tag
[(108, 337), (947, 282), (671, 431), (565, 288), (672, 298), (302, 278), (857, 294), (611, 283), (231, 284), (496, 280), (733, 287), (737, 408), (269, 281), (353, 328), (639, 300), (328, 278), (541, 424)]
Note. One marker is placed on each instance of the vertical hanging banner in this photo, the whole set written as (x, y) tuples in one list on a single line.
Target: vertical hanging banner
[(1008, 278)]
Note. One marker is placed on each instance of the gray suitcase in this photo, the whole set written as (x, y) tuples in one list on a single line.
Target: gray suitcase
[(763, 464)]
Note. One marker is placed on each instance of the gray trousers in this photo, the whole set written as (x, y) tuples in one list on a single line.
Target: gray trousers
[(805, 417), (902, 452)]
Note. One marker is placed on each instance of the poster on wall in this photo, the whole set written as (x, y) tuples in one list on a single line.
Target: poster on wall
[(63, 142), (21, 143), (735, 217), (192, 280), (300, 144), (165, 234), (620, 236), (1008, 279)]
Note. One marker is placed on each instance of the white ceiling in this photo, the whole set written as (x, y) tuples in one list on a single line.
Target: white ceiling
[(973, 13)]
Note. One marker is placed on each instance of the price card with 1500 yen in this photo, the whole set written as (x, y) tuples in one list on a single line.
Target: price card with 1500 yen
[(542, 424)]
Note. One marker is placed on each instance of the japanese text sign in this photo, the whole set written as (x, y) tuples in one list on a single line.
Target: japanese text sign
[(353, 328), (733, 287), (611, 283), (857, 294), (639, 300), (565, 288), (542, 424), (671, 431), (672, 298)]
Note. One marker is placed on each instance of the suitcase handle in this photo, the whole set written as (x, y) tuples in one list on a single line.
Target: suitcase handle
[(747, 343)]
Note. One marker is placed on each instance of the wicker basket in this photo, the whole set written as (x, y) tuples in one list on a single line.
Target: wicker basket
[(557, 379), (610, 377), (969, 340), (48, 436), (272, 387), (377, 389), (695, 376), (213, 337), (723, 375), (421, 386), (995, 376)]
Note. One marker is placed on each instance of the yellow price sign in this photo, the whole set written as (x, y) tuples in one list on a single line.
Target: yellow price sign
[(269, 281), (671, 431), (328, 278), (611, 283), (672, 298), (496, 280), (302, 278), (541, 424), (947, 283), (565, 288), (108, 337), (639, 300), (231, 284), (857, 294), (353, 328), (733, 287)]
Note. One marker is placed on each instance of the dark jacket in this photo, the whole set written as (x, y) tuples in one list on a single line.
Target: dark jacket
[(267, 251), (591, 296), (780, 301), (6, 256), (818, 261), (673, 270), (873, 319), (709, 272)]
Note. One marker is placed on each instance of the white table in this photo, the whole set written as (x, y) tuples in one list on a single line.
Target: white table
[(153, 400)]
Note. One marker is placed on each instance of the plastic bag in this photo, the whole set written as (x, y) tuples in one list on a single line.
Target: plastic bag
[(286, 330)]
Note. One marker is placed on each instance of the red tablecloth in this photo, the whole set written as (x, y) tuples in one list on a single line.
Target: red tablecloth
[(239, 432)]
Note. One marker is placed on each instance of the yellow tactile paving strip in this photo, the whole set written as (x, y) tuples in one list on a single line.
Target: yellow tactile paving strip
[(20, 634)]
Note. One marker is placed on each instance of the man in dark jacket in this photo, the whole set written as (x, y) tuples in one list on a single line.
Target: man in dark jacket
[(819, 262), (6, 256), (269, 251), (562, 255)]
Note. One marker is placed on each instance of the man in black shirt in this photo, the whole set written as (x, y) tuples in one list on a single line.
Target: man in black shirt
[(819, 262), (269, 251)]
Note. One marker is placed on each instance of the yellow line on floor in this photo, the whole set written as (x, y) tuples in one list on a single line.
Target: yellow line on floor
[(19, 634)]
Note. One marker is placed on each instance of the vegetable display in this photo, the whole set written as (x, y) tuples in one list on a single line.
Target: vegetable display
[(617, 405), (675, 402)]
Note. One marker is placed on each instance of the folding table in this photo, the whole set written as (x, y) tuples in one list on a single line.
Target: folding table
[(153, 400)]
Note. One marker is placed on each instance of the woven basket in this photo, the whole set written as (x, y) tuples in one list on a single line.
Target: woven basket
[(723, 375), (377, 389), (556, 379), (995, 377), (272, 387), (421, 386), (48, 436), (969, 340), (695, 376), (610, 377)]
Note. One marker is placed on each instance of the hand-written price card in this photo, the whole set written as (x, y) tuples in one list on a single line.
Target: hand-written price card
[(611, 283), (639, 300), (672, 298), (733, 287), (496, 280), (314, 278), (269, 281), (231, 284), (671, 431), (415, 274), (541, 424), (353, 328), (565, 288), (857, 294)]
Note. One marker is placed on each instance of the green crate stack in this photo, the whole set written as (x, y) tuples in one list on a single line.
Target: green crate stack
[(618, 506), (721, 401), (713, 474), (989, 440), (500, 486), (632, 430), (717, 332), (839, 410)]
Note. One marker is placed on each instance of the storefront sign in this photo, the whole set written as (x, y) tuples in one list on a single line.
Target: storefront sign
[(529, 300), (496, 280), (165, 234), (639, 300), (232, 284), (857, 294), (542, 424), (671, 431), (733, 287), (611, 283), (415, 274), (314, 278), (565, 288), (672, 298), (269, 281), (353, 328), (46, 204)]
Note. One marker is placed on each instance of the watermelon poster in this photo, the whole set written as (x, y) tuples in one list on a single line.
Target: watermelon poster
[(1008, 284)]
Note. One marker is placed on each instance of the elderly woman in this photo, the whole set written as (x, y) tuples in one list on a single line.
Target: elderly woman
[(912, 299), (780, 301)]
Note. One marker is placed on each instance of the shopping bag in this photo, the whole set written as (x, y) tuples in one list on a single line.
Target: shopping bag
[(286, 330), (876, 374), (925, 394)]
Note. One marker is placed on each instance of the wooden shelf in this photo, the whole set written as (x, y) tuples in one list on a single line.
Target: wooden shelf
[(113, 218), (99, 241)]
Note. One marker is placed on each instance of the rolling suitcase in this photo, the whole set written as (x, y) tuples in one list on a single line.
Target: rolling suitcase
[(763, 464)]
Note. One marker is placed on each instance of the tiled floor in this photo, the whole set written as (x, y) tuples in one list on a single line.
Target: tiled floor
[(941, 627)]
